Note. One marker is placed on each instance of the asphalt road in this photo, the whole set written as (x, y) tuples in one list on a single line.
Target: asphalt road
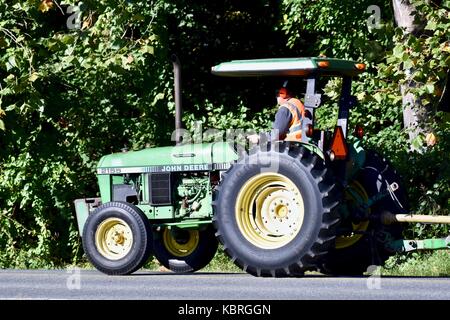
[(93, 285)]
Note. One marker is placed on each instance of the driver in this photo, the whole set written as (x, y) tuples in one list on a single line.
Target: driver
[(287, 125)]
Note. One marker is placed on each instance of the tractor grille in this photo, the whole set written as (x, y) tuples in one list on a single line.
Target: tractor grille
[(160, 189)]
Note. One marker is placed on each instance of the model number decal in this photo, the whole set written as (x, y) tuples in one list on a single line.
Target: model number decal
[(109, 171)]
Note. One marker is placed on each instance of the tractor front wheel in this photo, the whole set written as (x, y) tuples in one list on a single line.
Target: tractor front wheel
[(117, 238)]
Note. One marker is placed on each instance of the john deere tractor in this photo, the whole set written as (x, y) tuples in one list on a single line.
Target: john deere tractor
[(323, 203)]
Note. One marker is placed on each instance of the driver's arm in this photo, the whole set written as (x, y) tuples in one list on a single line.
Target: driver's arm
[(283, 118)]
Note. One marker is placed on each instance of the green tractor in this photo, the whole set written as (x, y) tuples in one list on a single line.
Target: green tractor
[(323, 203)]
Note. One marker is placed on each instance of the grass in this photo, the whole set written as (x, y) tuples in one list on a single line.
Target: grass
[(220, 263), (424, 264)]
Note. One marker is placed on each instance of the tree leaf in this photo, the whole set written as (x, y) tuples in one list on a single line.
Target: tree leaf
[(11, 63), (34, 76)]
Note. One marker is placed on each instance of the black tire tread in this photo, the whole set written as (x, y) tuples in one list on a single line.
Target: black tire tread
[(356, 259)]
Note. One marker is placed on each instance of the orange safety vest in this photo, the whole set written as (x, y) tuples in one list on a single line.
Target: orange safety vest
[(297, 110)]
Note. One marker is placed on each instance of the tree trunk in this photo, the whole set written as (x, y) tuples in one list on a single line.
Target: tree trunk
[(403, 13), (414, 113)]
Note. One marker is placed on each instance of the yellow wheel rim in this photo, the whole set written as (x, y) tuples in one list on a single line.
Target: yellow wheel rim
[(114, 238), (269, 210), (359, 195), (181, 247)]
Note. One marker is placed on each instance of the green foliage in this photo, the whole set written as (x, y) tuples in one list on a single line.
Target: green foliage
[(334, 30), (68, 97), (430, 182), (423, 60)]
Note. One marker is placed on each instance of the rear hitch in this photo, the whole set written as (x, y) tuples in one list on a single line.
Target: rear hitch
[(402, 246)]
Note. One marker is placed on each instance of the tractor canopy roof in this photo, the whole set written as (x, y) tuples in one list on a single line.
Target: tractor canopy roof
[(300, 67)]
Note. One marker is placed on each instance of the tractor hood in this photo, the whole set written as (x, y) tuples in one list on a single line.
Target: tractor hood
[(190, 157)]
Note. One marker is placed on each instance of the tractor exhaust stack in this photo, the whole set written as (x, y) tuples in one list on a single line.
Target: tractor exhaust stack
[(178, 103)]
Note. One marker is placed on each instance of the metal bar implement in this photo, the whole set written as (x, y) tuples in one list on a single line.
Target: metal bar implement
[(389, 218), (414, 245)]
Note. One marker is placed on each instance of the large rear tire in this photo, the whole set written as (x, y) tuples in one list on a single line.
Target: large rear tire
[(117, 238), (355, 253), (274, 211)]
